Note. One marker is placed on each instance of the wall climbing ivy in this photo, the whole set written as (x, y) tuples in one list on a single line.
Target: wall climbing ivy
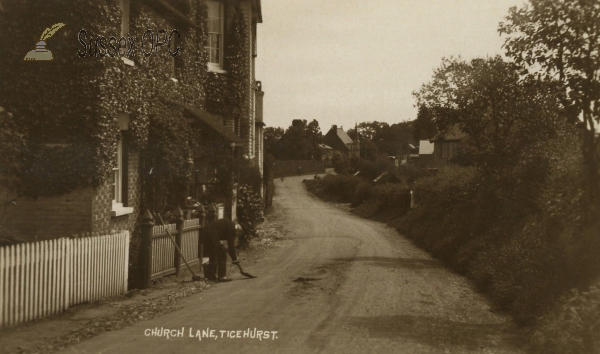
[(66, 109), (227, 93)]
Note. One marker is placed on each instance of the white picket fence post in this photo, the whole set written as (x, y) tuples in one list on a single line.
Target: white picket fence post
[(47, 277)]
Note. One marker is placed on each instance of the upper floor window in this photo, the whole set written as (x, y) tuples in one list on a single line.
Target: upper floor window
[(216, 16)]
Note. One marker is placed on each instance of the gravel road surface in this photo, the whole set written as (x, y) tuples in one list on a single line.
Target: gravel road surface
[(335, 283)]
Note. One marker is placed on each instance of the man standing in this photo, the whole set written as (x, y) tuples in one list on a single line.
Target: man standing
[(214, 233)]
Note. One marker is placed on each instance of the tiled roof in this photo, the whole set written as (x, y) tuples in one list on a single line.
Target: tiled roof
[(343, 136)]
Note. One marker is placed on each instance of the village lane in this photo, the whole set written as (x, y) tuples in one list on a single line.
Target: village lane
[(336, 283)]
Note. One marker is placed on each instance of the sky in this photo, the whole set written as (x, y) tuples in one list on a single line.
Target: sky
[(347, 61)]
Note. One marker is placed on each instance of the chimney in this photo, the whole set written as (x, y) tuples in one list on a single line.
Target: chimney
[(334, 127)]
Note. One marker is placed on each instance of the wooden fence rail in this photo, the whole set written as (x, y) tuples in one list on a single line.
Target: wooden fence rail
[(163, 250), (159, 256), (44, 278), (165, 258)]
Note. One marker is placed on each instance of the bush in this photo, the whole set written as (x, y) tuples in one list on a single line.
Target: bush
[(342, 188), (573, 326), (250, 212), (364, 191), (340, 164), (372, 169)]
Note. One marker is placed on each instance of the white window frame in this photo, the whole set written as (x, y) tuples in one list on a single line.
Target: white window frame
[(218, 67), (118, 208)]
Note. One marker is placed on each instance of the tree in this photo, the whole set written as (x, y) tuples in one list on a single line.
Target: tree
[(508, 120), (271, 136), (369, 130), (380, 139), (560, 40), (424, 127), (394, 141), (299, 142)]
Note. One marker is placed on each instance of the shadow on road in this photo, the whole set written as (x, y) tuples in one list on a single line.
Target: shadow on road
[(437, 332), (396, 263)]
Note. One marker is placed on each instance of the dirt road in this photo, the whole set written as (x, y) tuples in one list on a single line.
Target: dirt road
[(336, 283)]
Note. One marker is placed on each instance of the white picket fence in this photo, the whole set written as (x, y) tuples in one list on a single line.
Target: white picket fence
[(44, 278)]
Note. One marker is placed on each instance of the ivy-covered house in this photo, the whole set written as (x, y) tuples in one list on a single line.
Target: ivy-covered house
[(140, 99)]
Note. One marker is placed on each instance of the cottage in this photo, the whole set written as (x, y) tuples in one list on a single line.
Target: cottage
[(447, 146), (339, 140)]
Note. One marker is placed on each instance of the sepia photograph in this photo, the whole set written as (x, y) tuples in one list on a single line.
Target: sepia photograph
[(300, 176)]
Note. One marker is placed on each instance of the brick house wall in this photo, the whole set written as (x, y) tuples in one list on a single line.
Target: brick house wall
[(44, 218), (80, 211)]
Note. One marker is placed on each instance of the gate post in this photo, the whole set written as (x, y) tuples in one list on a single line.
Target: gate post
[(146, 251), (179, 224), (202, 217)]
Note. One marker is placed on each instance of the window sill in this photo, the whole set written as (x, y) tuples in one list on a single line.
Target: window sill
[(119, 210), (216, 69)]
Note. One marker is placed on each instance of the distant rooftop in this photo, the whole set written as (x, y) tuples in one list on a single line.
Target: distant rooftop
[(342, 135)]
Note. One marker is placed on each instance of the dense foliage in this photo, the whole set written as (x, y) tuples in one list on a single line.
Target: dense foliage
[(379, 139), (250, 208), (226, 95), (299, 142), (559, 40), (74, 120), (514, 126)]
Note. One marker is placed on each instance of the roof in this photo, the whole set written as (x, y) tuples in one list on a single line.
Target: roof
[(425, 147), (327, 147), (342, 135), (213, 122), (454, 133)]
